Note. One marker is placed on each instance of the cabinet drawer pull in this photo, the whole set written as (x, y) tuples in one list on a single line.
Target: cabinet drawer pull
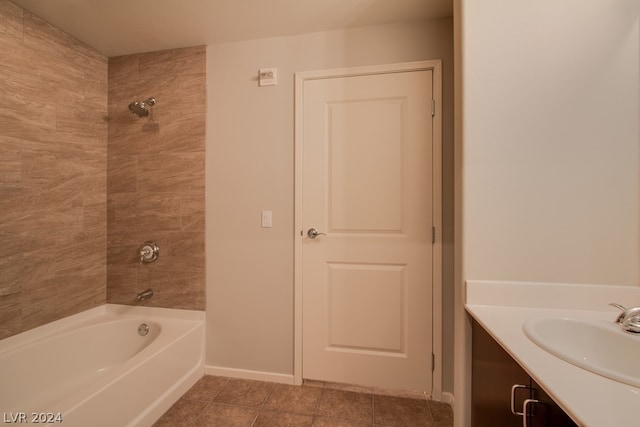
[(514, 388), (525, 411)]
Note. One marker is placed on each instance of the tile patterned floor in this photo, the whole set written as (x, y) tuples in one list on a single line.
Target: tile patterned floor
[(230, 402)]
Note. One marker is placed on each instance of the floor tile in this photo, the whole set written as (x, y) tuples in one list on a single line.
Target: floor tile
[(231, 402), (296, 399), (206, 388), (282, 419), (346, 405), (442, 413), (219, 415), (348, 387), (332, 422), (399, 393), (244, 392), (182, 414), (400, 411)]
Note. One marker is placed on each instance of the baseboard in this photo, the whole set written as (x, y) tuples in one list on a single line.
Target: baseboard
[(277, 378), (249, 375)]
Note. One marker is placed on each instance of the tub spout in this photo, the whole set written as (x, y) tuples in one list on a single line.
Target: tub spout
[(144, 295)]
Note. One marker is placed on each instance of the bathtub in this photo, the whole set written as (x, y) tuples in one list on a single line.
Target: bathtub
[(95, 369)]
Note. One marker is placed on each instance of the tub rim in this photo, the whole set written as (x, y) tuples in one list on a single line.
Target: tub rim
[(94, 315)]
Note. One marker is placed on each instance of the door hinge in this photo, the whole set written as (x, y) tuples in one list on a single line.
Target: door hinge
[(433, 234), (433, 107), (433, 362)]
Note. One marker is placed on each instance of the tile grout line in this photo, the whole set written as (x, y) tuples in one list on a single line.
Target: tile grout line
[(204, 408), (315, 411), (264, 402), (210, 401)]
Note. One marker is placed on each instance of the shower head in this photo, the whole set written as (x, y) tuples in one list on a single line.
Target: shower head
[(141, 108)]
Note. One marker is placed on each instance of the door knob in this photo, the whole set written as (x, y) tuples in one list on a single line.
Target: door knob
[(313, 233)]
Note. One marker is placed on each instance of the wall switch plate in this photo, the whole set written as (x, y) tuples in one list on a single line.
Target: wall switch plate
[(268, 77), (266, 217)]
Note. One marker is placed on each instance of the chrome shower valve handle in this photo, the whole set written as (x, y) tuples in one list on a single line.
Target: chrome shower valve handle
[(149, 252)]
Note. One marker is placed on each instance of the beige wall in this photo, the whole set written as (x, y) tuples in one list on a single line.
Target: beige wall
[(547, 155), (250, 163), (551, 132), (155, 186), (53, 166)]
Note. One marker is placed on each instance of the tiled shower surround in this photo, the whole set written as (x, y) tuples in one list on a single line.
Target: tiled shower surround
[(155, 184), (84, 182), (53, 170)]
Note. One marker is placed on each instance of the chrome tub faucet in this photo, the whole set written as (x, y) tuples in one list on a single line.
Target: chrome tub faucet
[(144, 295)]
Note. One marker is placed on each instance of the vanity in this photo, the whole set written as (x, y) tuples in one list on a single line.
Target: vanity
[(536, 350)]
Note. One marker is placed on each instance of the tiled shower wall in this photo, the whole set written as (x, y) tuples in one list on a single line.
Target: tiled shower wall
[(54, 123), (155, 185), (53, 167)]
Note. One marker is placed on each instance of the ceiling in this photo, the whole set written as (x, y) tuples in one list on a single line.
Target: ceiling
[(120, 27)]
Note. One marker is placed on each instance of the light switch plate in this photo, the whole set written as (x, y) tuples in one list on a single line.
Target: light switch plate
[(266, 219)]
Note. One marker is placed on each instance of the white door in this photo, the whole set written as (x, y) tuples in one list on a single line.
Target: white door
[(366, 188)]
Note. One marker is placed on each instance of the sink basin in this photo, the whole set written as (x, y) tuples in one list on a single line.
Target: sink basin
[(597, 346)]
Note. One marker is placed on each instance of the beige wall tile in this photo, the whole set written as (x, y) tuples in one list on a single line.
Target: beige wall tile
[(53, 173), (69, 223), (10, 166), (61, 103), (157, 211), (183, 132), (174, 62), (122, 69), (10, 20), (193, 212), (156, 178), (122, 283), (171, 173), (10, 315), (64, 304), (122, 174)]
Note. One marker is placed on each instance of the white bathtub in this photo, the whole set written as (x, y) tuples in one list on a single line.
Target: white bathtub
[(95, 369)]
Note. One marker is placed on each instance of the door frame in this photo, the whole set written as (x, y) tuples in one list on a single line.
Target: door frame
[(300, 77)]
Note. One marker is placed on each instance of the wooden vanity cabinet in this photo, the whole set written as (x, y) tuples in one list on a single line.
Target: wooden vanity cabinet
[(494, 373), (550, 413)]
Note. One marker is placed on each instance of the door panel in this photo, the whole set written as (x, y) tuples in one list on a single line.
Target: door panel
[(377, 293), (367, 185), (366, 164)]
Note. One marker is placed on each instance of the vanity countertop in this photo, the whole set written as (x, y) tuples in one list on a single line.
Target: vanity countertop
[(590, 399)]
